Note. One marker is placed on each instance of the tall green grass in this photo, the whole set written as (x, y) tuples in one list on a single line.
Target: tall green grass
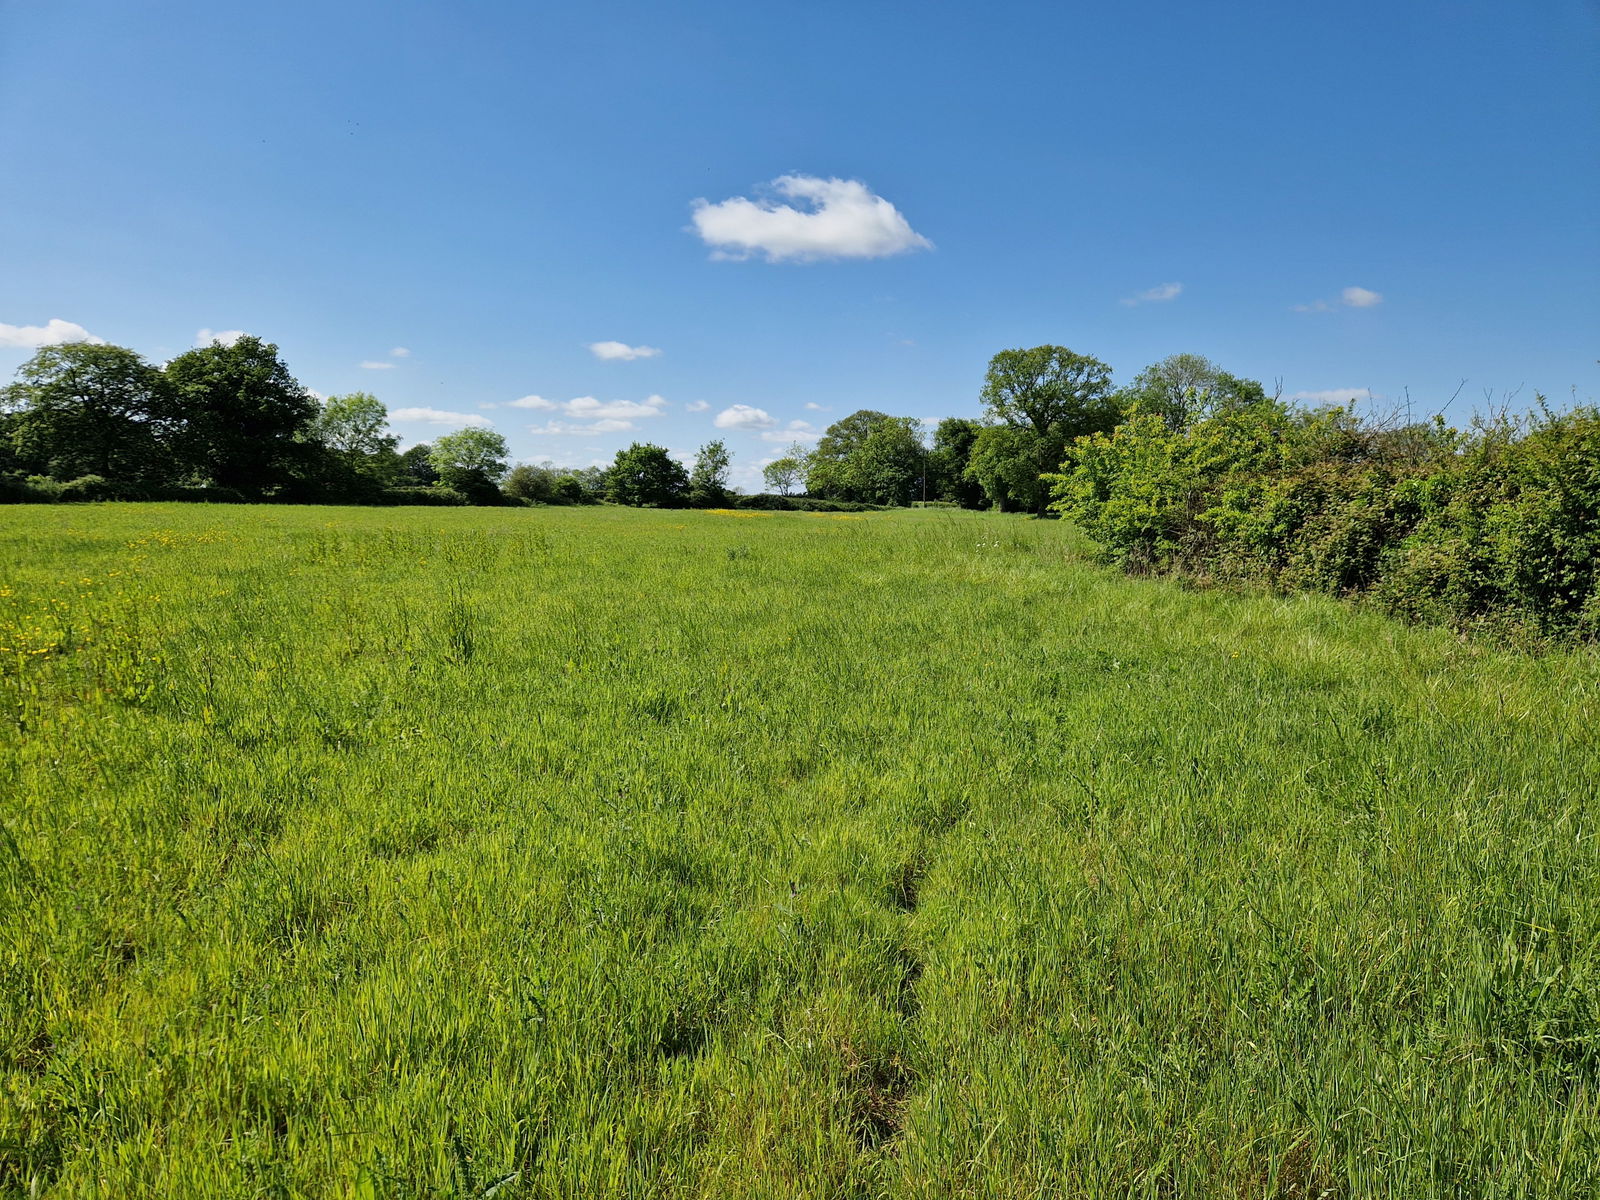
[(623, 853)]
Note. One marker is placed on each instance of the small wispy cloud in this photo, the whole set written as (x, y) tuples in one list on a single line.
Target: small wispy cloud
[(374, 365), (1350, 297), (1335, 395), (743, 416), (834, 218), (218, 337), (813, 406), (794, 431), (1159, 294), (697, 406), (54, 332), (399, 352), (621, 351), (442, 418), (569, 428)]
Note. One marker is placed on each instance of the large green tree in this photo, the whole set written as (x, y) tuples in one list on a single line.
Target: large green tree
[(472, 461), (83, 409), (1005, 462), (416, 468), (647, 476), (1185, 388), (868, 456), (1051, 390), (947, 462), (241, 419), (354, 430), (1052, 393), (787, 472), (708, 480), (890, 466)]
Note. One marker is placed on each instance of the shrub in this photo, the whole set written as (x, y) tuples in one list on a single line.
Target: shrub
[(1497, 525), (775, 503), (434, 496)]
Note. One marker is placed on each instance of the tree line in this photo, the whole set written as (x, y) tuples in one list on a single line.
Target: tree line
[(93, 421)]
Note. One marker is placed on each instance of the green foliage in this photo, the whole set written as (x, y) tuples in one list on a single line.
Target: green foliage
[(781, 503), (1038, 399), (1007, 462), (870, 457), (598, 852), (416, 466), (549, 484), (1051, 390), (1184, 388), (472, 462), (784, 475), (431, 496), (646, 476), (239, 418), (953, 441), (1496, 526), (81, 409), (708, 479)]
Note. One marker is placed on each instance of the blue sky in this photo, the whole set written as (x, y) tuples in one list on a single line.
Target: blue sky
[(498, 187)]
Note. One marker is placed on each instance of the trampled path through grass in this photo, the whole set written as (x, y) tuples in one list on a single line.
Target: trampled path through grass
[(608, 852)]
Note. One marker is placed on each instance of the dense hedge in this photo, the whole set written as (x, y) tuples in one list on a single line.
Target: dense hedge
[(766, 500), (1494, 526), (39, 489)]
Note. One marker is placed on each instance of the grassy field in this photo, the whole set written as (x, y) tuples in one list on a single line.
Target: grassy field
[(592, 853)]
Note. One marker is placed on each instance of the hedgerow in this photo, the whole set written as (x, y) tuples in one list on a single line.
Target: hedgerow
[(1495, 526)]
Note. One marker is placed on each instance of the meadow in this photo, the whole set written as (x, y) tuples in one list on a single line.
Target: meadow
[(607, 852)]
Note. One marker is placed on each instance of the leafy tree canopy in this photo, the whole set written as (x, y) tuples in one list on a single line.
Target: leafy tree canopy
[(1051, 390), (82, 409), (783, 475), (708, 481), (1007, 461), (1184, 388), (645, 475), (473, 461), (354, 424), (867, 456), (947, 463), (242, 418)]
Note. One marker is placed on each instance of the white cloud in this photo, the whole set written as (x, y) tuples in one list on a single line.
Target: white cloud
[(587, 408), (589, 415), (813, 406), (742, 416), (697, 406), (795, 431), (218, 337), (840, 218), (622, 351), (399, 352), (1159, 294), (369, 365), (1350, 297), (53, 332), (1335, 395), (439, 416), (564, 428)]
